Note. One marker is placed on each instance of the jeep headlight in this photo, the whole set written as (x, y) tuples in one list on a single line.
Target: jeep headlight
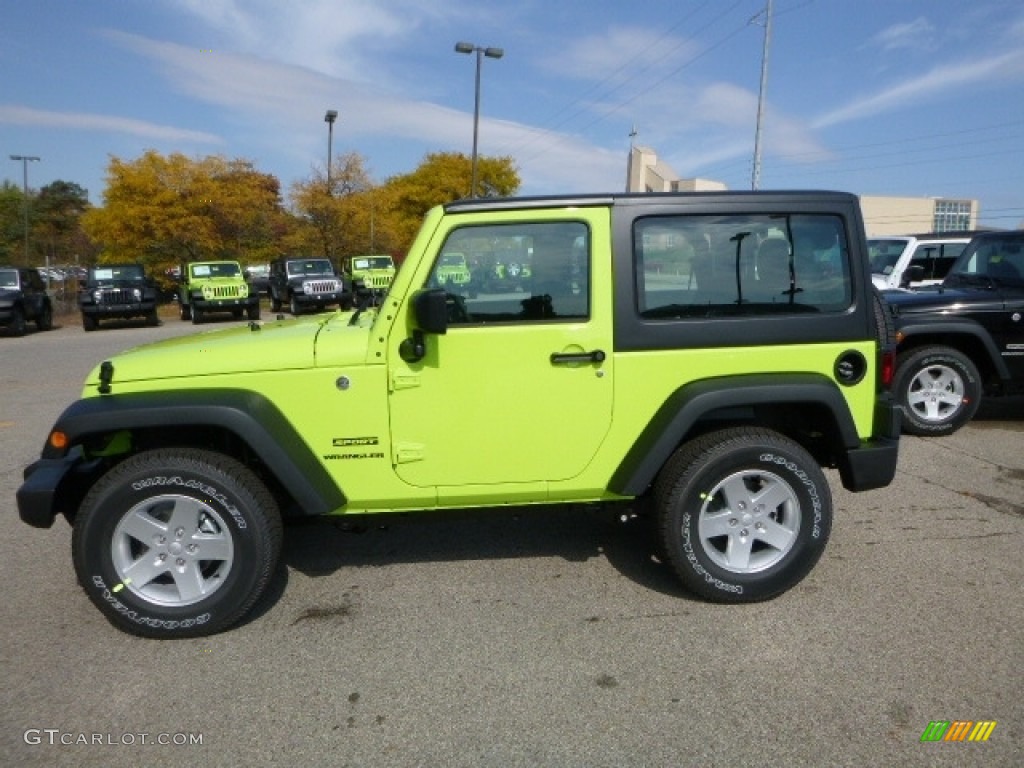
[(97, 296), (137, 294)]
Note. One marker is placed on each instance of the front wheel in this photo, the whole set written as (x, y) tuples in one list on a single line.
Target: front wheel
[(743, 514), (938, 388), (176, 543), (185, 311), (293, 306), (253, 312)]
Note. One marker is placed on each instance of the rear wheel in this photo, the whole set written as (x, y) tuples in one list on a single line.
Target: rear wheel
[(44, 320), (938, 388), (743, 514), (176, 543), (152, 318)]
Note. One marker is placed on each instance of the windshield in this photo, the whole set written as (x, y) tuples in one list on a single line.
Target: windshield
[(453, 260), (373, 262), (215, 269), (998, 258), (310, 267), (884, 254), (132, 272), (8, 278)]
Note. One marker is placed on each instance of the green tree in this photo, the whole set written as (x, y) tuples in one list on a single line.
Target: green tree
[(12, 226), (56, 224)]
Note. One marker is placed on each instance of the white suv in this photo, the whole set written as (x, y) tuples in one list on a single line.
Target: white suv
[(910, 261)]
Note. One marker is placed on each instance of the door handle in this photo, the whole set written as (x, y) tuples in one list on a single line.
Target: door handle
[(564, 358)]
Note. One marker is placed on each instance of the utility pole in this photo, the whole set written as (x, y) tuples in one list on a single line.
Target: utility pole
[(25, 160), (755, 180)]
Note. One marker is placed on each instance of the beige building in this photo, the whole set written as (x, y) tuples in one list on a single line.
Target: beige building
[(646, 173), (882, 215)]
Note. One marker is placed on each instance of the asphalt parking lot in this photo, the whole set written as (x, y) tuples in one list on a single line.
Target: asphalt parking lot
[(531, 637)]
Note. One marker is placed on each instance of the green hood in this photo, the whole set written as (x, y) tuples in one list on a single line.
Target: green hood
[(275, 346)]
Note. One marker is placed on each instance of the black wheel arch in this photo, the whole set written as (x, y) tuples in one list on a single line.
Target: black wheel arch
[(232, 421), (785, 402), (968, 337)]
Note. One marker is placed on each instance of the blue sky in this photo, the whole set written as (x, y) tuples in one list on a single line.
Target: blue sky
[(876, 97)]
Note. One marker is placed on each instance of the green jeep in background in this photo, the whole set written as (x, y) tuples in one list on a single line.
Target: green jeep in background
[(209, 287), (369, 274), (711, 399)]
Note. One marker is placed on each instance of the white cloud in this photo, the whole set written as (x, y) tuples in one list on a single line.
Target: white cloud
[(944, 80), (18, 115), (914, 35), (620, 53)]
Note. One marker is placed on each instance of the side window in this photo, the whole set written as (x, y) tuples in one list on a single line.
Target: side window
[(514, 273), (936, 258), (757, 264)]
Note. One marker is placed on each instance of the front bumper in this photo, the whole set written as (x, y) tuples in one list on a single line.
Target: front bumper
[(49, 485), (225, 305), (119, 310)]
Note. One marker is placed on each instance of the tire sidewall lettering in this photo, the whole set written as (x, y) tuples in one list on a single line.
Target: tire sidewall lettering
[(211, 493), (131, 614)]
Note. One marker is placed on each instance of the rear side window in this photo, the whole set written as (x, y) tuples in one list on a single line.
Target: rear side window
[(739, 265)]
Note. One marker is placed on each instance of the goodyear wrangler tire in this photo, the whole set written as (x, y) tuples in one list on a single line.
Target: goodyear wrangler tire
[(176, 543), (743, 514), (938, 388)]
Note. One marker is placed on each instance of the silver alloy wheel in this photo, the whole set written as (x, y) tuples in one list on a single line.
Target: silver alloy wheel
[(936, 393), (172, 550), (749, 521)]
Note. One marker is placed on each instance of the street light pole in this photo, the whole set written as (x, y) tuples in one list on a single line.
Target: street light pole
[(25, 160), (329, 118), (491, 53)]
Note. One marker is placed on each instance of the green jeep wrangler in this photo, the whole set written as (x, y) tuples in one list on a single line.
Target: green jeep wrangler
[(216, 287), (369, 274), (710, 398)]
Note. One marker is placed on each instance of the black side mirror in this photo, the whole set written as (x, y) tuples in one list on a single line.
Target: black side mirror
[(430, 310), (430, 314), (912, 274)]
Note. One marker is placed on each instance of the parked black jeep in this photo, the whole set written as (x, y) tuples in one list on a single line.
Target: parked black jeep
[(117, 291), (962, 339), (23, 297)]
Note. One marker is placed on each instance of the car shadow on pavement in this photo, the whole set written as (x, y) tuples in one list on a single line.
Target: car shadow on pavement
[(575, 533), (1007, 410)]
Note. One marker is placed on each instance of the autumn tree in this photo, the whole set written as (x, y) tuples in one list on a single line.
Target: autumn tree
[(161, 211), (441, 178), (332, 220)]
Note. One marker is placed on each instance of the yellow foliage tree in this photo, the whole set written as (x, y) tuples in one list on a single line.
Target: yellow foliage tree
[(163, 211)]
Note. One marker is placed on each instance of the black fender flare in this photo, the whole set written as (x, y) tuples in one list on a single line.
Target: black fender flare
[(688, 404), (942, 328), (250, 416)]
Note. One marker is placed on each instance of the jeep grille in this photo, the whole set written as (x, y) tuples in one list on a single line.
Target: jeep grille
[(377, 281), (115, 296), (313, 287), (222, 291)]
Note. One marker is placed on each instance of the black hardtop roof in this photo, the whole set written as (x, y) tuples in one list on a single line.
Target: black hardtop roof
[(1002, 234), (640, 198)]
